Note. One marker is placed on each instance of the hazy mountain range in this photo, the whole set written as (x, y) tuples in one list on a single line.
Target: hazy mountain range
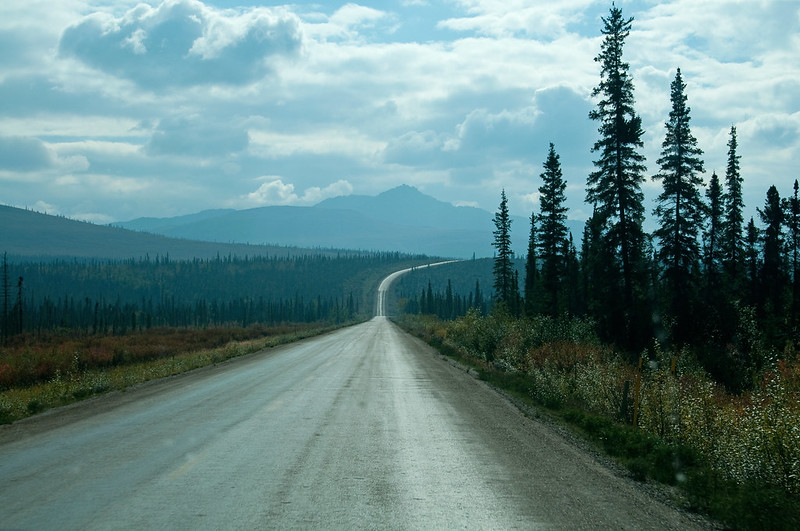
[(401, 219), (29, 235)]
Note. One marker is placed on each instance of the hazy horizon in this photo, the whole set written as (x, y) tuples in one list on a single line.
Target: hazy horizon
[(118, 110)]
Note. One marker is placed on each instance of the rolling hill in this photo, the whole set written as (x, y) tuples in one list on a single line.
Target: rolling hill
[(31, 235)]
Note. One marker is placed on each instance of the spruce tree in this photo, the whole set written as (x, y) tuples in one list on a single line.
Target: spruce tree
[(732, 241), (599, 280), (449, 304), (772, 275), (531, 290), (477, 300), (713, 235), (6, 289), (751, 263), (792, 220), (503, 268), (680, 209), (552, 232), (615, 187), (575, 302)]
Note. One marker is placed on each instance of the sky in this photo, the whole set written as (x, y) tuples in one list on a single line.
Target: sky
[(113, 109)]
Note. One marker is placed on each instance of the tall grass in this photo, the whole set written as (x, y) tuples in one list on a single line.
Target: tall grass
[(65, 368), (737, 456)]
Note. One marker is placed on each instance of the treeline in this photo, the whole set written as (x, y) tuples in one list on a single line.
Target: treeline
[(446, 291), (97, 297), (448, 304), (705, 278)]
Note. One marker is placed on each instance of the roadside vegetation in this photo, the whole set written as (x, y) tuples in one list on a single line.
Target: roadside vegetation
[(676, 351), (74, 329), (47, 372), (735, 457)]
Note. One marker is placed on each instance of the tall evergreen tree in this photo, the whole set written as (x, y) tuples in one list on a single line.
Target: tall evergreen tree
[(600, 279), (751, 263), (449, 303), (6, 289), (680, 209), (477, 300), (772, 281), (713, 317), (503, 268), (552, 232), (713, 235), (792, 219), (732, 241), (575, 302), (615, 187), (531, 290)]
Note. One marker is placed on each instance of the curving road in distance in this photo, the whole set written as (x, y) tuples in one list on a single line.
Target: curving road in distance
[(363, 428)]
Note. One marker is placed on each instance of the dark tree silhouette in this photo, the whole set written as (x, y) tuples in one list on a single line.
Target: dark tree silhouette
[(791, 208), (531, 290), (680, 211), (615, 187), (552, 240), (713, 235), (732, 241), (504, 259), (772, 281)]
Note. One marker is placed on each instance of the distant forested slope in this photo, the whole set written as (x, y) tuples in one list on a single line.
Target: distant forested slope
[(115, 297), (28, 234)]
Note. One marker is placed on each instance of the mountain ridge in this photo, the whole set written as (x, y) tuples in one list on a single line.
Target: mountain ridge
[(401, 219), (32, 235)]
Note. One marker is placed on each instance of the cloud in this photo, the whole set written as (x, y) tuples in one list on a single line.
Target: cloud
[(418, 147), (198, 136), (513, 17), (46, 208), (276, 192), (727, 31), (340, 141), (506, 133), (348, 23), (520, 132), (25, 154), (184, 42)]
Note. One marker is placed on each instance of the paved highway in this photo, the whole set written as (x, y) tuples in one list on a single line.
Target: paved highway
[(364, 428)]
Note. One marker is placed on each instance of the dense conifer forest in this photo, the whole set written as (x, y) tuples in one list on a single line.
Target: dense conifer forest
[(115, 297), (704, 278), (688, 335)]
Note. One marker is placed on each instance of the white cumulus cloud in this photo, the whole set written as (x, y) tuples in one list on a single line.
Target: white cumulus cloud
[(275, 192)]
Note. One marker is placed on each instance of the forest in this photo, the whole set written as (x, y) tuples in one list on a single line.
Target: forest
[(689, 334), (703, 278), (113, 297), (49, 304)]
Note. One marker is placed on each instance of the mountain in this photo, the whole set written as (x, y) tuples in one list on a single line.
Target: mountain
[(402, 219), (31, 235), (406, 205)]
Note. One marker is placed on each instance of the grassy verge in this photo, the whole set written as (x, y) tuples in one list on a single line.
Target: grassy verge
[(693, 482), (78, 382)]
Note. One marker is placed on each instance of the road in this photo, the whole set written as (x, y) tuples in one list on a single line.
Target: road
[(363, 428)]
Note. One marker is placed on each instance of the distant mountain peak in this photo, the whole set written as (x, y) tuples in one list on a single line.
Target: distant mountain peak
[(402, 189)]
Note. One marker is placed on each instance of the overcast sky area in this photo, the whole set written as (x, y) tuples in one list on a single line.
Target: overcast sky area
[(115, 109)]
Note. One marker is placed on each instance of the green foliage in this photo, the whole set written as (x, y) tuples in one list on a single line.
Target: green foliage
[(680, 211), (615, 187), (715, 446), (505, 288), (78, 369), (733, 220), (114, 297), (552, 235)]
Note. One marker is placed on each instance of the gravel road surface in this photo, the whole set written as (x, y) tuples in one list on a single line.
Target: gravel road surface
[(363, 428)]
